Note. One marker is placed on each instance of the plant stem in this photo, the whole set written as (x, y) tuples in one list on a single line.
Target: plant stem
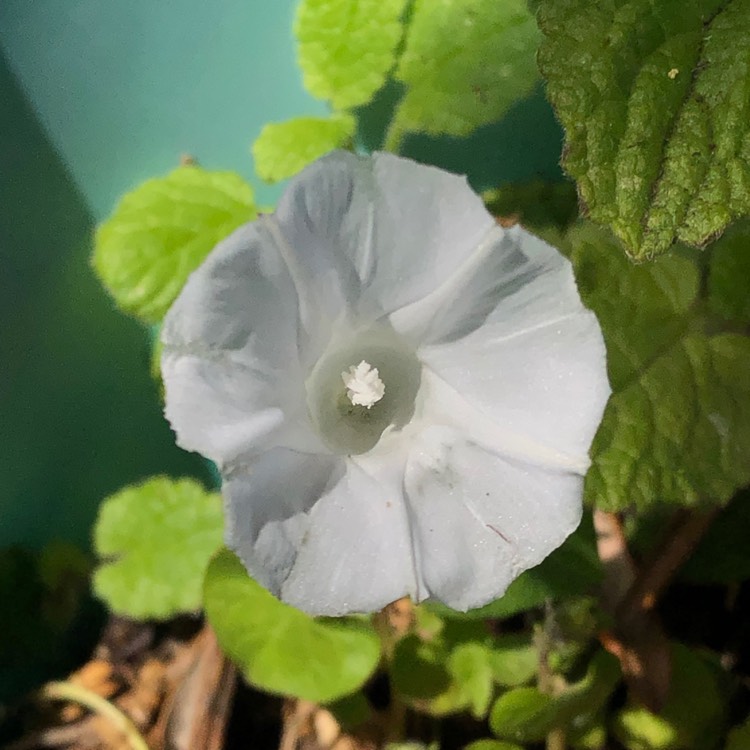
[(68, 691)]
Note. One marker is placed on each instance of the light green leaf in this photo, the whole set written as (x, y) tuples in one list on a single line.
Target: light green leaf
[(160, 233), (729, 275), (527, 715), (280, 649), (284, 148), (654, 98), (524, 714), (514, 660), (464, 64), (677, 428), (154, 541), (492, 745), (347, 47), (469, 665)]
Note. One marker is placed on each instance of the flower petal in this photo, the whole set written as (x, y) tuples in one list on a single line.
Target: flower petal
[(356, 555), (380, 232), (479, 519), (231, 362), (524, 352), (267, 506)]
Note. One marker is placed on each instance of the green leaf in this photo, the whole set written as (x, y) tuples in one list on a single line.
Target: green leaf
[(524, 714), (653, 97), (464, 64), (514, 660), (155, 540), (418, 669), (527, 714), (538, 205), (284, 148), (161, 232), (469, 665), (280, 649), (677, 427), (739, 737), (347, 47), (693, 716), (492, 745), (572, 569), (729, 275)]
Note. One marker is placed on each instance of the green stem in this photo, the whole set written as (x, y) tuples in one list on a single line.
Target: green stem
[(68, 691)]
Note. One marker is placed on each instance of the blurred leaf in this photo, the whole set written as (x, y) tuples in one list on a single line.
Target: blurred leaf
[(418, 669), (723, 555), (536, 205), (527, 715), (729, 277), (739, 737), (469, 665), (347, 47), (64, 571), (572, 569), (155, 540), (693, 716), (590, 736), (492, 745), (351, 710), (514, 660), (464, 64), (524, 714), (284, 148), (677, 427), (161, 231), (653, 99), (280, 649)]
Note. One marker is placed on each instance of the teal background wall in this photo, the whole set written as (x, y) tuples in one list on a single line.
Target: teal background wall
[(96, 96)]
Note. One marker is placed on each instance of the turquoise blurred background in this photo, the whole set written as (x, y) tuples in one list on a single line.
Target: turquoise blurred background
[(96, 96)]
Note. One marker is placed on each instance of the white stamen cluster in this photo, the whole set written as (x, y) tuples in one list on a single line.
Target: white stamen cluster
[(363, 384)]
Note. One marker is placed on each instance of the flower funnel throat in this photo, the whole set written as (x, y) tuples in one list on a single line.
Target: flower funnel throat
[(352, 406), (399, 393)]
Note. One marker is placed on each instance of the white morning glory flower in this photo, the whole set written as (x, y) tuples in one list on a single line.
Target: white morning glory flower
[(399, 393)]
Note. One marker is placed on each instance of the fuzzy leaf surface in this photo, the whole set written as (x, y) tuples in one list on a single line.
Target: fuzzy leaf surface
[(347, 47), (465, 63), (154, 541), (677, 427), (655, 101), (284, 148), (161, 232)]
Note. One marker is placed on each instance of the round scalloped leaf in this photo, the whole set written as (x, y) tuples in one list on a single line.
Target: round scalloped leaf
[(161, 232), (677, 427), (347, 47), (280, 649), (154, 541), (464, 64), (284, 148), (655, 101)]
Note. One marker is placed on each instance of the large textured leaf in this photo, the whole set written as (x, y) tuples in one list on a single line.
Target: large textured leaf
[(155, 540), (677, 428), (655, 101), (161, 231), (283, 148), (277, 647), (464, 64), (347, 47)]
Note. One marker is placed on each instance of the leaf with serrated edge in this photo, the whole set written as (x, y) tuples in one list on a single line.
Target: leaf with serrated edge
[(284, 148), (464, 64), (161, 232), (655, 101), (154, 541), (677, 427), (347, 47), (280, 649)]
